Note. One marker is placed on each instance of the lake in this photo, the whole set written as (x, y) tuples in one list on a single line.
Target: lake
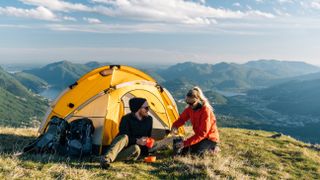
[(51, 93), (230, 94)]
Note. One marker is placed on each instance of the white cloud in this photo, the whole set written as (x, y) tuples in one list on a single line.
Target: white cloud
[(281, 12), (171, 11), (14, 26), (253, 28), (68, 18), (285, 1), (256, 13), (58, 5), (147, 15), (237, 4), (37, 13), (315, 4), (118, 28), (92, 20), (164, 11)]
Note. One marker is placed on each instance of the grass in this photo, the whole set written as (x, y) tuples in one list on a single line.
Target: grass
[(245, 154)]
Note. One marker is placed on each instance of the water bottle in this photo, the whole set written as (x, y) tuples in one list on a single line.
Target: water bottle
[(177, 140)]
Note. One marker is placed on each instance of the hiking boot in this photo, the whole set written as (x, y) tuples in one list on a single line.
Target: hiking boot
[(105, 162)]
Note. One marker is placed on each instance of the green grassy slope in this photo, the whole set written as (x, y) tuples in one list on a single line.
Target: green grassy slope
[(245, 155), (31, 82), (9, 83), (20, 111), (18, 106)]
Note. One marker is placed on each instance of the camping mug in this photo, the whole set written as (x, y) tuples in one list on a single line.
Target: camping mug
[(149, 142)]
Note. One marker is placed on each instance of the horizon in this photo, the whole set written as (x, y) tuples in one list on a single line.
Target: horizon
[(159, 32), (30, 65)]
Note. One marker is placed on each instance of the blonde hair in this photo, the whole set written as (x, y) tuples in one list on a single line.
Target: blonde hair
[(197, 93)]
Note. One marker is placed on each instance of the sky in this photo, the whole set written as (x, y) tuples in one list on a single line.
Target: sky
[(159, 31)]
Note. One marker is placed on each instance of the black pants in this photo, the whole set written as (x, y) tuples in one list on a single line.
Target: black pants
[(200, 148)]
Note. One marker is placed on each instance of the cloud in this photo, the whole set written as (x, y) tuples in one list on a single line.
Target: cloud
[(118, 28), (237, 4), (138, 15), (285, 1), (252, 28), (37, 13), (58, 5), (164, 11), (281, 12), (68, 18), (15, 26), (202, 1), (315, 4), (172, 11), (256, 13), (92, 20)]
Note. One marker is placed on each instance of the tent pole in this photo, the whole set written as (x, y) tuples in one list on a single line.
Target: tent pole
[(102, 135)]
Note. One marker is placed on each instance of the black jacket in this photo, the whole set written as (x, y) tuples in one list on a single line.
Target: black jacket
[(134, 128)]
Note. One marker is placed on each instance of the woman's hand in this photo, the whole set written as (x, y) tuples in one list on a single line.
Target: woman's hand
[(174, 130), (142, 141)]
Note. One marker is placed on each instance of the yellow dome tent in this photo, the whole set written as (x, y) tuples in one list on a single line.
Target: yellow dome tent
[(102, 95)]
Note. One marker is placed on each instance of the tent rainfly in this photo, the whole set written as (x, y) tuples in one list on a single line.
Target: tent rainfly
[(103, 94)]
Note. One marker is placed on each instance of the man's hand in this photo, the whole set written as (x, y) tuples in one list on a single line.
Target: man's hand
[(142, 141)]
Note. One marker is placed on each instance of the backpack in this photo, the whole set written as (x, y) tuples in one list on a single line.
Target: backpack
[(53, 140), (79, 138)]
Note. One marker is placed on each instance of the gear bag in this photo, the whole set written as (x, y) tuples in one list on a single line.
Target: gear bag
[(53, 140), (79, 138)]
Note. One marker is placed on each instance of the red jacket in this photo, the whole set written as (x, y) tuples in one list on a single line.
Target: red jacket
[(203, 122)]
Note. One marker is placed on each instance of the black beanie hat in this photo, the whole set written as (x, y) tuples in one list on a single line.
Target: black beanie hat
[(136, 103)]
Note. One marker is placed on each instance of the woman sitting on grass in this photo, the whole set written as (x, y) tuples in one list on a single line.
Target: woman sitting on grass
[(203, 120)]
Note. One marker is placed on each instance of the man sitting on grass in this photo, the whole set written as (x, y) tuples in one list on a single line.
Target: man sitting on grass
[(134, 130)]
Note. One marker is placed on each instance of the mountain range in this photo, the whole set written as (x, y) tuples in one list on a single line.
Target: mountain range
[(279, 94), (236, 77), (221, 76)]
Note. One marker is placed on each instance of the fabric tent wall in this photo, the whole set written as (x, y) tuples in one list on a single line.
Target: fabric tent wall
[(103, 94)]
